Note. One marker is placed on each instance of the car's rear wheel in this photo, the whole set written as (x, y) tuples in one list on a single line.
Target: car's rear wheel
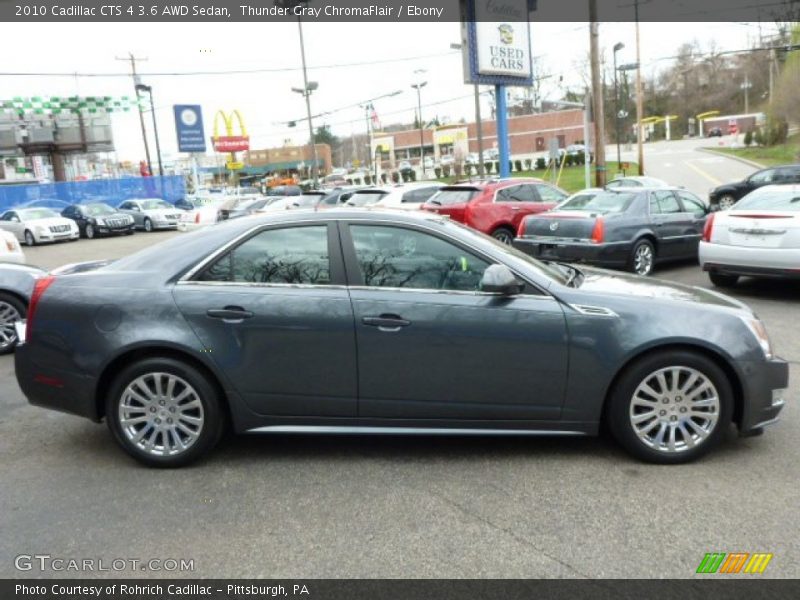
[(148, 225), (723, 280), (30, 240), (671, 407), (726, 202), (164, 412), (643, 257), (503, 235), (89, 231), (11, 311)]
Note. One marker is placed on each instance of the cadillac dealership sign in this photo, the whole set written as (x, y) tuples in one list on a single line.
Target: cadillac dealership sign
[(497, 42)]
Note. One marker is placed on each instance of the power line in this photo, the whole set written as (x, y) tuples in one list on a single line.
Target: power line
[(229, 71)]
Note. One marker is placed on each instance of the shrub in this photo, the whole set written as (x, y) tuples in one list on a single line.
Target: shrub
[(528, 163), (487, 167), (384, 178), (518, 165), (541, 163), (438, 172), (510, 166), (412, 175), (748, 138), (367, 180), (758, 138), (446, 170)]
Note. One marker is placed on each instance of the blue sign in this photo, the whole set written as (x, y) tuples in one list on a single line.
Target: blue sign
[(189, 128)]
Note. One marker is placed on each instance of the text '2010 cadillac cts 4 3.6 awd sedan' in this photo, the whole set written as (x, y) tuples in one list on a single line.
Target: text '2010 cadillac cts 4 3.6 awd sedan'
[(367, 321)]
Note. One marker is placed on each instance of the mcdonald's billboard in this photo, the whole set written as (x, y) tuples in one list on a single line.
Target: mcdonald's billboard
[(230, 142)]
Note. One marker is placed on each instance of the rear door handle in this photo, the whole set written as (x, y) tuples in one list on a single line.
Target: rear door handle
[(386, 322), (229, 313)]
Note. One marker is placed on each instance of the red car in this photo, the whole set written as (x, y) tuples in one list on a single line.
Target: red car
[(495, 207)]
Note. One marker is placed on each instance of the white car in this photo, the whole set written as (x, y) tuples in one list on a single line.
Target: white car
[(368, 196), (10, 249), (636, 181), (758, 237), (205, 212), (38, 225), (409, 196)]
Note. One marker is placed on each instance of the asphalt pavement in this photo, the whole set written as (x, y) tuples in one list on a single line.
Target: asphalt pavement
[(311, 506)]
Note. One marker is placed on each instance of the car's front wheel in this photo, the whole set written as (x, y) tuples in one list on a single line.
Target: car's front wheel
[(726, 202), (670, 407), (148, 225), (164, 412), (89, 231), (30, 240), (11, 311)]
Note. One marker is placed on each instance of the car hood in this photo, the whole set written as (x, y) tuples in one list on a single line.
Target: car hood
[(621, 284), (48, 222)]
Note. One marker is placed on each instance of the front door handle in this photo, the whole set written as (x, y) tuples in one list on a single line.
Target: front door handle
[(229, 313), (387, 323)]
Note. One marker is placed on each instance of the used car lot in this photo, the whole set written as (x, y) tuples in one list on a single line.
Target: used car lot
[(402, 507)]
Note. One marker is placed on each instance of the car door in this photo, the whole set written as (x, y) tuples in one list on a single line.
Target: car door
[(273, 313), (433, 347), (696, 212), (669, 223), (10, 221), (133, 209), (758, 179)]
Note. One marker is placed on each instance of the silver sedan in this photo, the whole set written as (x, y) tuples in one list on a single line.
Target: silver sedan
[(151, 213)]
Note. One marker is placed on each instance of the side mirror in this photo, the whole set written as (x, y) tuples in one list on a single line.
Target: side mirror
[(498, 279)]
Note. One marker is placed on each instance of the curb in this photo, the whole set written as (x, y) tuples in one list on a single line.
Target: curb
[(746, 161)]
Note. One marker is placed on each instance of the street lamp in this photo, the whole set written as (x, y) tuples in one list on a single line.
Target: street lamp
[(617, 47), (310, 86), (418, 86), (368, 106), (140, 87), (635, 67)]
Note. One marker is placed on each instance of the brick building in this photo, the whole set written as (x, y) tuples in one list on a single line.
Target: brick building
[(287, 159)]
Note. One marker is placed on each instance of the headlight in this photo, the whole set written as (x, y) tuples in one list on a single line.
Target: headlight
[(758, 330)]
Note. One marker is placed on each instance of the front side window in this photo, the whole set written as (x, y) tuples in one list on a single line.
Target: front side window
[(692, 203), (765, 176), (397, 257), (294, 255)]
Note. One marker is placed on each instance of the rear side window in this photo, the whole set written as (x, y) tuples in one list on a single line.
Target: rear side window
[(550, 194), (297, 255), (447, 197)]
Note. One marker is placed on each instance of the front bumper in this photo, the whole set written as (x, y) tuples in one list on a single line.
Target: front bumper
[(42, 238), (107, 230), (764, 386), (615, 254)]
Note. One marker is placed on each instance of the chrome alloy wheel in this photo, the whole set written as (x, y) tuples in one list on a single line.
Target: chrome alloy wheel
[(643, 259), (161, 414), (8, 316), (674, 409)]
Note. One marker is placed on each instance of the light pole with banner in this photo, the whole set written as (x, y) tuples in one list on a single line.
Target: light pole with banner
[(496, 50)]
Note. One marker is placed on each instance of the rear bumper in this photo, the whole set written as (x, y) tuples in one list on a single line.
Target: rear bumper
[(764, 386), (611, 255), (753, 262), (57, 389)]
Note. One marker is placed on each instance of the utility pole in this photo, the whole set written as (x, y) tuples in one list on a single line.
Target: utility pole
[(307, 94), (746, 87), (639, 95), (133, 60), (597, 94)]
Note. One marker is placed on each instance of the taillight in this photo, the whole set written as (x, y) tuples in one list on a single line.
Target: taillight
[(708, 228), (38, 289), (599, 231), (197, 218)]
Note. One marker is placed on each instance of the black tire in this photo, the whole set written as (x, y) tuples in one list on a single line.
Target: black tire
[(7, 301), (638, 264), (30, 240), (618, 415), (129, 232), (212, 412), (725, 202), (723, 280), (148, 225), (89, 231), (504, 235)]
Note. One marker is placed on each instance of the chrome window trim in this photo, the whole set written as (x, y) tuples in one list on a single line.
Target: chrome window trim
[(250, 284), (187, 277), (367, 288)]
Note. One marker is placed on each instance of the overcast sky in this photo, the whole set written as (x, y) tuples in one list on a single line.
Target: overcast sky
[(265, 99)]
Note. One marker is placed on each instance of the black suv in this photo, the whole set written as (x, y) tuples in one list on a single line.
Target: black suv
[(724, 196)]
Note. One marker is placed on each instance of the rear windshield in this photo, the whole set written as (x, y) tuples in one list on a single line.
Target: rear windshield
[(365, 198), (788, 200), (606, 202), (576, 202), (451, 196)]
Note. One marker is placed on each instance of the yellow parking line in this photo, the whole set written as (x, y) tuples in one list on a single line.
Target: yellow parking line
[(700, 171)]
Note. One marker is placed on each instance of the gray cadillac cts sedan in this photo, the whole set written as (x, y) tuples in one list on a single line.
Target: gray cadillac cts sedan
[(369, 321)]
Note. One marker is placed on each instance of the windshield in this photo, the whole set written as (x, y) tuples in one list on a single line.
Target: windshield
[(154, 204), (97, 210), (37, 213), (788, 200), (364, 198), (606, 202), (447, 197)]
